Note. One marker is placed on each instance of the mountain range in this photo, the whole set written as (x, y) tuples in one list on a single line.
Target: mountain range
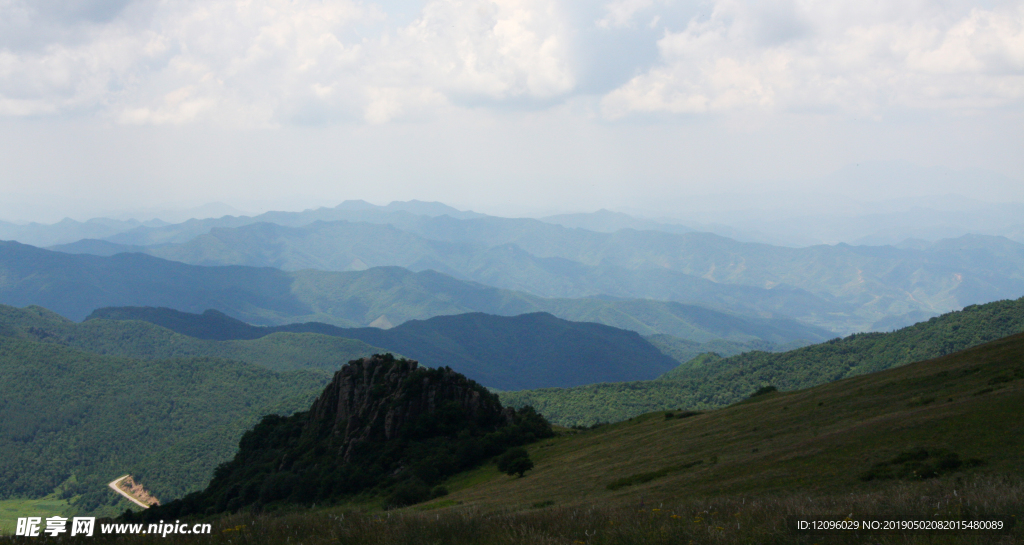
[(75, 285), (841, 288)]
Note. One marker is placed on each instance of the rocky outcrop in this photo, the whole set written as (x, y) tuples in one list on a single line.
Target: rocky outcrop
[(382, 426), (375, 398)]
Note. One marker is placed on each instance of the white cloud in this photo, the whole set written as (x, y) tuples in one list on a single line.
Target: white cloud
[(496, 49), (857, 57), (245, 63), (258, 63), (279, 62), (620, 13)]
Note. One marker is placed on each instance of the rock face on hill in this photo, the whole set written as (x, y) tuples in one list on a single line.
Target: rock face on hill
[(383, 427), (379, 399)]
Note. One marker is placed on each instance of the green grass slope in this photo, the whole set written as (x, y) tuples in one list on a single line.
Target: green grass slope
[(280, 351), (953, 417), (724, 381), (73, 421)]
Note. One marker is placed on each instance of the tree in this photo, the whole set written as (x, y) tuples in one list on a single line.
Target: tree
[(515, 461)]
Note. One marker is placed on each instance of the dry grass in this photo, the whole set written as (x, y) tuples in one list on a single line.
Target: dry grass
[(725, 520)]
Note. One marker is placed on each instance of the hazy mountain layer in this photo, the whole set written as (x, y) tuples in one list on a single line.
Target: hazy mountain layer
[(344, 246), (396, 212), (69, 230), (75, 285), (157, 231), (844, 288)]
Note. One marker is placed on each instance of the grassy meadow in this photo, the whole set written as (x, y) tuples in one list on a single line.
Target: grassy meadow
[(11, 510), (741, 519)]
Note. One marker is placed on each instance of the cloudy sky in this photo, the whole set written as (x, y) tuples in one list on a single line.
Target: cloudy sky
[(505, 106)]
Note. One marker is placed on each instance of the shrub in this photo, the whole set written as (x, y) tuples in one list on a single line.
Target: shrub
[(919, 463), (641, 478), (407, 492), (516, 461)]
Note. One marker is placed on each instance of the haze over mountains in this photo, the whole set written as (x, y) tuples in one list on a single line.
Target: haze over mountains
[(358, 265), (841, 288), (75, 285)]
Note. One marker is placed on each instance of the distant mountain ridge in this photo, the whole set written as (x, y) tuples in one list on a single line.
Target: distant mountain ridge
[(156, 231), (606, 221), (75, 285), (69, 230), (348, 246), (526, 351), (397, 212), (842, 288)]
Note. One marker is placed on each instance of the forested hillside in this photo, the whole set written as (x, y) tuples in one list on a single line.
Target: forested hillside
[(279, 351), (684, 351), (73, 421), (716, 382)]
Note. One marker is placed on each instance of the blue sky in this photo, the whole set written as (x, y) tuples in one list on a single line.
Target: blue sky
[(505, 106)]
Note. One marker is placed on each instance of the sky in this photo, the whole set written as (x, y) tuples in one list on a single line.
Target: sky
[(505, 106)]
